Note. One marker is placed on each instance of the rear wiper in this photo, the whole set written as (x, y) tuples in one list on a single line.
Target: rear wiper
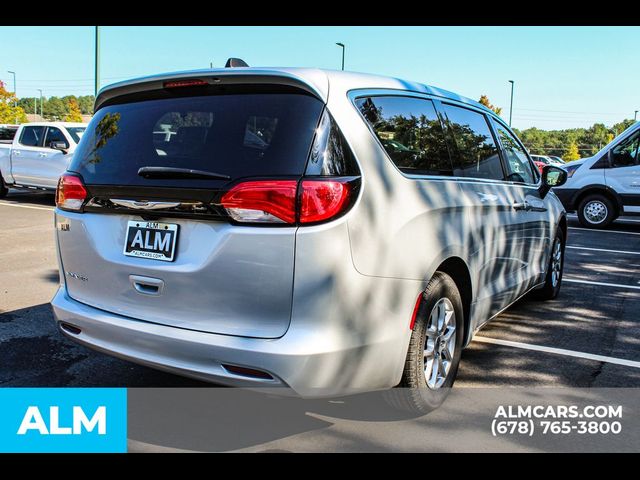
[(174, 172)]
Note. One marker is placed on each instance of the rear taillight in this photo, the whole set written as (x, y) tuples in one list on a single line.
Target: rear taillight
[(277, 201), (70, 194), (323, 199), (268, 201)]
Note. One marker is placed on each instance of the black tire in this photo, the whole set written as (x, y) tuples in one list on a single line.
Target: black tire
[(3, 188), (600, 202), (551, 287), (413, 394)]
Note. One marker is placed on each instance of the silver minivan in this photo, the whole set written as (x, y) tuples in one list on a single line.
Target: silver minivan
[(329, 232)]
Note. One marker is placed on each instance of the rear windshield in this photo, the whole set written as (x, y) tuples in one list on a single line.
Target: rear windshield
[(237, 135), (7, 134)]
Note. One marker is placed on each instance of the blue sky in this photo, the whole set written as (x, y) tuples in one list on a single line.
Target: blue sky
[(565, 76)]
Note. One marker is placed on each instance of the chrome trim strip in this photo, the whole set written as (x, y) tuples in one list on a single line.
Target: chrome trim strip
[(144, 205)]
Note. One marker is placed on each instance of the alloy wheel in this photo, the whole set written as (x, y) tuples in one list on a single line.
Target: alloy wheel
[(440, 343)]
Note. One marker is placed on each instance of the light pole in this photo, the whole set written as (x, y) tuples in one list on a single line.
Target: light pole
[(97, 62), (15, 103), (511, 104), (341, 45), (41, 112)]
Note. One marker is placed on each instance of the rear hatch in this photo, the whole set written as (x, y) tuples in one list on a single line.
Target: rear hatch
[(153, 242)]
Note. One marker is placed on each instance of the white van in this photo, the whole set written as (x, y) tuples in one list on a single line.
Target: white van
[(607, 185)]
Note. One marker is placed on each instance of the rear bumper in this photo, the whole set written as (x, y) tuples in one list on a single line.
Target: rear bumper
[(311, 368)]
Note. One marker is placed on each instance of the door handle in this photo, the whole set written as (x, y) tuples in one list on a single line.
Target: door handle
[(42, 154), (16, 153), (522, 206)]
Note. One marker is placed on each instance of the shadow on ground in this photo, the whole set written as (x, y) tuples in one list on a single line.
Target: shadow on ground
[(35, 354)]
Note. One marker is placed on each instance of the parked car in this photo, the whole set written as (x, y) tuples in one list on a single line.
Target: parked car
[(559, 161), (542, 160), (38, 154), (323, 258), (607, 185)]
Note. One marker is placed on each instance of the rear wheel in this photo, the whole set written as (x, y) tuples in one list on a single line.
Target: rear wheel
[(596, 211), (553, 280), (435, 348), (3, 188)]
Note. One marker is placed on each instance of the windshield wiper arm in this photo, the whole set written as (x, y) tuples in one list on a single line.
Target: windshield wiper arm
[(174, 172)]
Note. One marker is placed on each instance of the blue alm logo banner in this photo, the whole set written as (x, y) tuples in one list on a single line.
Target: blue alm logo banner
[(54, 420)]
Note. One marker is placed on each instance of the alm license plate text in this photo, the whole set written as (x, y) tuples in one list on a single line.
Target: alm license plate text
[(153, 240)]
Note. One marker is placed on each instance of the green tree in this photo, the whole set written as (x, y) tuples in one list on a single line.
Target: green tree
[(595, 138), (484, 100), (74, 115), (54, 109), (9, 111), (618, 128), (29, 104), (572, 152), (86, 104)]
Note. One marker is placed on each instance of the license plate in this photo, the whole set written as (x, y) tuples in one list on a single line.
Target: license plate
[(152, 240)]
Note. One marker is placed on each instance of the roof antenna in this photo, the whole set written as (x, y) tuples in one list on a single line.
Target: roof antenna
[(235, 63)]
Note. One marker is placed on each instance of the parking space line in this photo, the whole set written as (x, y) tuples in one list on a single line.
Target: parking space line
[(602, 284), (628, 220), (33, 207), (558, 351), (603, 231), (603, 250)]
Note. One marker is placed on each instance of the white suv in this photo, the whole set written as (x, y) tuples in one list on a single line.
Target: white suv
[(607, 185)]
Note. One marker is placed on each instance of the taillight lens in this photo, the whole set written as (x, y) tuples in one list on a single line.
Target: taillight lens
[(269, 201), (70, 194), (323, 199), (276, 201)]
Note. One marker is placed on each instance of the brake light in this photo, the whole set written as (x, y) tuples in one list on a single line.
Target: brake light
[(70, 194), (270, 201), (323, 199), (185, 83), (276, 201)]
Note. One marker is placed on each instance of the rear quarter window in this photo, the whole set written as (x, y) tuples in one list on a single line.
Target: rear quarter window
[(410, 132)]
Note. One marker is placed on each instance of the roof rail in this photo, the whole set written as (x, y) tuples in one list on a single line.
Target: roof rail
[(235, 62)]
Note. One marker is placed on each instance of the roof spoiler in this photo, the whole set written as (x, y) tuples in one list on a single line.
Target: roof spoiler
[(235, 63)]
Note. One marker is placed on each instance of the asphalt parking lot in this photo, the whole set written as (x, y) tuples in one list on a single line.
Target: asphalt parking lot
[(588, 337)]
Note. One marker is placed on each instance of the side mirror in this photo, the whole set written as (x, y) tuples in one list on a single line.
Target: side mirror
[(551, 177), (62, 146)]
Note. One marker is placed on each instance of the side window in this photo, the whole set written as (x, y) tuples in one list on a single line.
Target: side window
[(7, 134), (410, 132), (54, 135), (476, 152), (518, 166), (625, 154), (32, 136)]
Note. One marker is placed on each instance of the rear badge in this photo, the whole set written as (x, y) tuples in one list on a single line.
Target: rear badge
[(77, 276), (153, 240)]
